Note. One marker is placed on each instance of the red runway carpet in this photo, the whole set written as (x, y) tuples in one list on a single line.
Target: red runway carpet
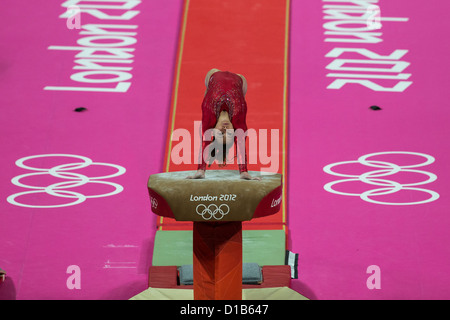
[(347, 99)]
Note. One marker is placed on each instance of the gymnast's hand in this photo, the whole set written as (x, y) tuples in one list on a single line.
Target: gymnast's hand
[(246, 176), (200, 174)]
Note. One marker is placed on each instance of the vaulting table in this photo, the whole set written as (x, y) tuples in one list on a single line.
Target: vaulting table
[(217, 205)]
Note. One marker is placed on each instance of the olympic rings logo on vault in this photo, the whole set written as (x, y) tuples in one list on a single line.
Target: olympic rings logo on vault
[(61, 189), (377, 177), (207, 212)]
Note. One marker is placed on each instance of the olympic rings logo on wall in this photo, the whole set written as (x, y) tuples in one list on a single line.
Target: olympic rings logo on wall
[(384, 169), (63, 172), (208, 212)]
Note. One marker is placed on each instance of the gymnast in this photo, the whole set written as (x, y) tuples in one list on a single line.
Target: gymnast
[(224, 111)]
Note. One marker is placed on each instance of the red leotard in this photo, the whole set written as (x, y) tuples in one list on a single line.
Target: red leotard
[(224, 93)]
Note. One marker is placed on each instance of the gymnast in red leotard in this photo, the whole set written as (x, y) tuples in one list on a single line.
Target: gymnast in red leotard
[(224, 111)]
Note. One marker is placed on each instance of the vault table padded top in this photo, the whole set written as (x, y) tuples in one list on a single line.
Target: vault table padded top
[(221, 196)]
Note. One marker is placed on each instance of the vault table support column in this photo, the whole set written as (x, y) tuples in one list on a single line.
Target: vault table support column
[(217, 260)]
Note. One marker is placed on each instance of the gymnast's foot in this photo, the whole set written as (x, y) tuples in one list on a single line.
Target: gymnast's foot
[(200, 174), (246, 176)]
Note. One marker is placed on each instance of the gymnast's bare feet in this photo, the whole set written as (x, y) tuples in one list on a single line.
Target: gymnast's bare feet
[(200, 174), (246, 176)]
